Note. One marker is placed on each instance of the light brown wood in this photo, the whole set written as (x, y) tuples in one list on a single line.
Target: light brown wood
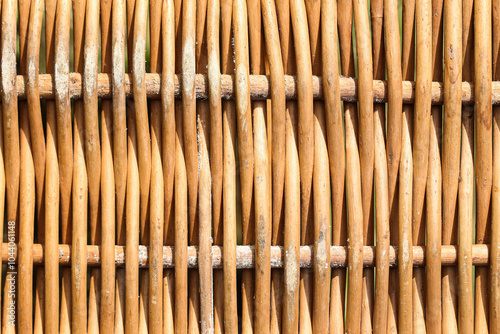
[(259, 88), (466, 185), (483, 149), (245, 256)]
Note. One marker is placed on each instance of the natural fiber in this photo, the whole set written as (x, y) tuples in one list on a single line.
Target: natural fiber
[(281, 166)]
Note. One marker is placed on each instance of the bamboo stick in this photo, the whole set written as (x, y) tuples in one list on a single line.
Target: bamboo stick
[(168, 154), (229, 177), (482, 83), (11, 134), (433, 200)]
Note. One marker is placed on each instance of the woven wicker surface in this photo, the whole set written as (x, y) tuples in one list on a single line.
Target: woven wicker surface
[(250, 166)]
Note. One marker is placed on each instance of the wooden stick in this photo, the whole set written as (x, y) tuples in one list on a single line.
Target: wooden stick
[(378, 52), (79, 193), (291, 237), (433, 203), (79, 244), (157, 201), (119, 148), (181, 228), (306, 150), (344, 16), (215, 151), (402, 219), (92, 147), (245, 256), (38, 144), (394, 124), (292, 229), (260, 88), (229, 177), (108, 213), (246, 156), (132, 237), (495, 223), (52, 196), (451, 152), (262, 224), (336, 148), (366, 144), (405, 313), (482, 83), (64, 147), (466, 185), (168, 154), (277, 132), (11, 133), (205, 226), (26, 229), (422, 119), (322, 214)]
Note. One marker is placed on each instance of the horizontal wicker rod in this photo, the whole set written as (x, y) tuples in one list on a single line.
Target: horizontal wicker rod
[(259, 88), (245, 256)]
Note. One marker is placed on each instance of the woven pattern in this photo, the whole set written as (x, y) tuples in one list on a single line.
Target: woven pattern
[(279, 166)]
